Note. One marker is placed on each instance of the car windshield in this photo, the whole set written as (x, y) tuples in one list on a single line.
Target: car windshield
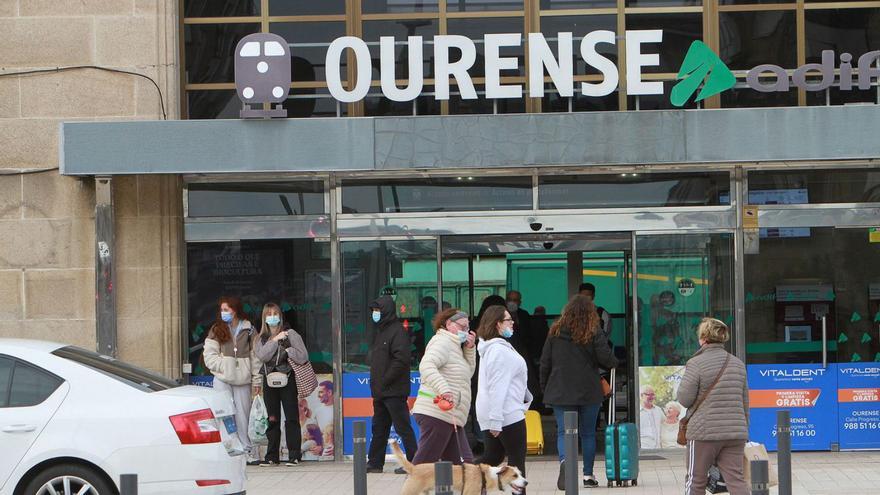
[(126, 373)]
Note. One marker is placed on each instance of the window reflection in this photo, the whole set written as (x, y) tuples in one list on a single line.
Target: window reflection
[(463, 193), (580, 26), (306, 7), (308, 47), (483, 5), (749, 39), (256, 199), (213, 8), (633, 190), (821, 186), (398, 6), (854, 31), (210, 51), (576, 4), (401, 30), (679, 31), (475, 29), (223, 104)]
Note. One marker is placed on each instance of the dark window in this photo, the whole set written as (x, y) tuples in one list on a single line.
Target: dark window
[(401, 30), (126, 373), (213, 104), (853, 31), (576, 4), (308, 47), (475, 29), (31, 385), (213, 8), (819, 186), (633, 190), (398, 6), (256, 199), (460, 106), (580, 26), (465, 193), (751, 2), (6, 365), (745, 97), (376, 105), (306, 7), (483, 5), (749, 39), (679, 31), (210, 51), (313, 102), (662, 3), (658, 102)]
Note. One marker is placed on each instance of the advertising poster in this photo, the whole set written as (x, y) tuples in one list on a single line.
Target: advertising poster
[(357, 404), (315, 420), (858, 396), (659, 413), (809, 391)]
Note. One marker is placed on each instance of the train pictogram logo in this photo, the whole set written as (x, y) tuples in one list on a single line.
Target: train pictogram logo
[(262, 75)]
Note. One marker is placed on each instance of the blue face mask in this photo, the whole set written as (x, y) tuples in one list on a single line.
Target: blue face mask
[(226, 316), (507, 333), (273, 320), (376, 316), (462, 336)]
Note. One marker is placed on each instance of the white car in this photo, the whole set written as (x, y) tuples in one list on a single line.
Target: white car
[(73, 421)]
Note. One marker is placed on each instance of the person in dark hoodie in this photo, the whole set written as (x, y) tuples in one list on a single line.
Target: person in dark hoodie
[(389, 383), (575, 350)]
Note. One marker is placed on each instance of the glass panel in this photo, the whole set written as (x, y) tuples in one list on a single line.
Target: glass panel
[(401, 29), (6, 365), (131, 375), (679, 31), (210, 51), (853, 31), (749, 39), (378, 105), (595, 104), (662, 3), (31, 385), (306, 7), (483, 5), (814, 186), (465, 193), (256, 199), (657, 102), (836, 274), (633, 190), (580, 26), (294, 273), (212, 104), (747, 97), (403, 269), (398, 6), (576, 4), (476, 28), (752, 2), (837, 96), (313, 102), (213, 8), (308, 47), (459, 106)]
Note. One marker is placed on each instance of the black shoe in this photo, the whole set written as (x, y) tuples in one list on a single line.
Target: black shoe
[(374, 470), (254, 463), (560, 481), (400, 470), (590, 483), (268, 463), (292, 462)]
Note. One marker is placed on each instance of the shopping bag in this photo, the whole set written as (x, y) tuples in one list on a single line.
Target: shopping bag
[(306, 380), (757, 452), (258, 422), (716, 482)]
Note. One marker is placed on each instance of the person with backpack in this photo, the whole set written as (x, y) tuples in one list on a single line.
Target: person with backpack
[(276, 344), (574, 352)]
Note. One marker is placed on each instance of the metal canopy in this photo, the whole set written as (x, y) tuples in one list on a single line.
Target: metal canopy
[(482, 141)]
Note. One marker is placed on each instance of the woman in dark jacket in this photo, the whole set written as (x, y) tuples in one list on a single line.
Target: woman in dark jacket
[(570, 362)]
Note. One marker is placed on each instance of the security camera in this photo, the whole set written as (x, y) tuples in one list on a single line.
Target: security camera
[(535, 225), (548, 245)]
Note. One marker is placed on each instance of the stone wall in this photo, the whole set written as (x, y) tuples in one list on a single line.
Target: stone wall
[(47, 228)]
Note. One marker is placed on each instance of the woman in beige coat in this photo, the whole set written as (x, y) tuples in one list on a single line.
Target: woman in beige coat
[(446, 370), (718, 428)]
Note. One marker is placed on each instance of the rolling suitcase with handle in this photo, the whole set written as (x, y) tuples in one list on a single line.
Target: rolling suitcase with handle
[(621, 447), (534, 433)]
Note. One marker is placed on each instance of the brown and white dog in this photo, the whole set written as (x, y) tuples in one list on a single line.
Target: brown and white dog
[(467, 479)]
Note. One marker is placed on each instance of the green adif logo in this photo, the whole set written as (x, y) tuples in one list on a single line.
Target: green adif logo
[(701, 64)]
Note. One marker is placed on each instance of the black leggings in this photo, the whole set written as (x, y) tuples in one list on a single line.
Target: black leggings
[(275, 398), (511, 442)]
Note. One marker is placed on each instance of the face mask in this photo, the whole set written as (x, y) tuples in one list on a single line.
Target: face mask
[(462, 336), (512, 306), (273, 320), (377, 316), (226, 316), (507, 332)]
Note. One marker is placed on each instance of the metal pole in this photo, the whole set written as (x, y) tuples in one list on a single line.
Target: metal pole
[(128, 484), (571, 452), (443, 478), (824, 341), (105, 273), (760, 470), (359, 440), (783, 454)]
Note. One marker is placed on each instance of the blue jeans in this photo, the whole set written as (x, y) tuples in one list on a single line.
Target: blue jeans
[(587, 416)]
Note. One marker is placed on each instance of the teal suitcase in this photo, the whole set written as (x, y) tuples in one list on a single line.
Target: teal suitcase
[(621, 449)]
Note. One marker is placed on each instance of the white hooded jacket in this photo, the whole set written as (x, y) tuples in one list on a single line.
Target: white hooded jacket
[(502, 395)]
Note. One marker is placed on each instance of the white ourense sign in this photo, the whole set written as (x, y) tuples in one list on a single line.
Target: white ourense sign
[(560, 67)]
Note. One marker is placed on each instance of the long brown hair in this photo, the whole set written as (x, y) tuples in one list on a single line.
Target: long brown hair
[(442, 317), (489, 322), (580, 318), (220, 329)]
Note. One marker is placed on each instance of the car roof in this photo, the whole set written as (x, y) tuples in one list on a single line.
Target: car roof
[(30, 345)]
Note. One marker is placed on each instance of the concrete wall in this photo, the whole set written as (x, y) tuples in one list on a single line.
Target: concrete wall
[(47, 230)]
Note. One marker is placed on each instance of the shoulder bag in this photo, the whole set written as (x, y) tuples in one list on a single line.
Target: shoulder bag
[(306, 380), (277, 379), (683, 423)]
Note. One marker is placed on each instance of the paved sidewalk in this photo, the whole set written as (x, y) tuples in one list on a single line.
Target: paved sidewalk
[(841, 473)]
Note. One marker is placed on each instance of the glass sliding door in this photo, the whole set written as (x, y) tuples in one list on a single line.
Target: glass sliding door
[(679, 279)]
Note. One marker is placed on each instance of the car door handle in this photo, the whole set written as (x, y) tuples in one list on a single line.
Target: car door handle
[(19, 428)]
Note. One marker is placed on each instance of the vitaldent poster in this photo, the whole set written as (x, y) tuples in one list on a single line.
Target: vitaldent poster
[(659, 412), (809, 391), (858, 396)]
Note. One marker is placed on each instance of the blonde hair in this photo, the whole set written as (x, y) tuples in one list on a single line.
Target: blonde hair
[(713, 331), (266, 330)]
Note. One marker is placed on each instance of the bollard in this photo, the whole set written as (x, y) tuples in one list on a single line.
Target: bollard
[(571, 452), (783, 452), (359, 443), (128, 484), (443, 478), (760, 470)]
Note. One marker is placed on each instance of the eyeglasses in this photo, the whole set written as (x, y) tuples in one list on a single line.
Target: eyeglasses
[(507, 319)]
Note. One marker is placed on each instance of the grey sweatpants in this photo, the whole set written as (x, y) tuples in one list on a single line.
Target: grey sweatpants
[(726, 454), (241, 399)]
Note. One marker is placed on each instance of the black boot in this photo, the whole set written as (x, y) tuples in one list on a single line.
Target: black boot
[(560, 481)]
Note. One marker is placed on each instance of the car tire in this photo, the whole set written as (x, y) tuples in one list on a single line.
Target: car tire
[(78, 477)]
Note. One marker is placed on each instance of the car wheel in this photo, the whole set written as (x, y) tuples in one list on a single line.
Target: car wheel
[(68, 479)]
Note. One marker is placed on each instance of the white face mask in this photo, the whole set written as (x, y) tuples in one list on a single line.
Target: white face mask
[(377, 316)]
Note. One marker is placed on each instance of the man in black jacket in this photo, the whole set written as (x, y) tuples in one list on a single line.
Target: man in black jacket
[(389, 383)]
